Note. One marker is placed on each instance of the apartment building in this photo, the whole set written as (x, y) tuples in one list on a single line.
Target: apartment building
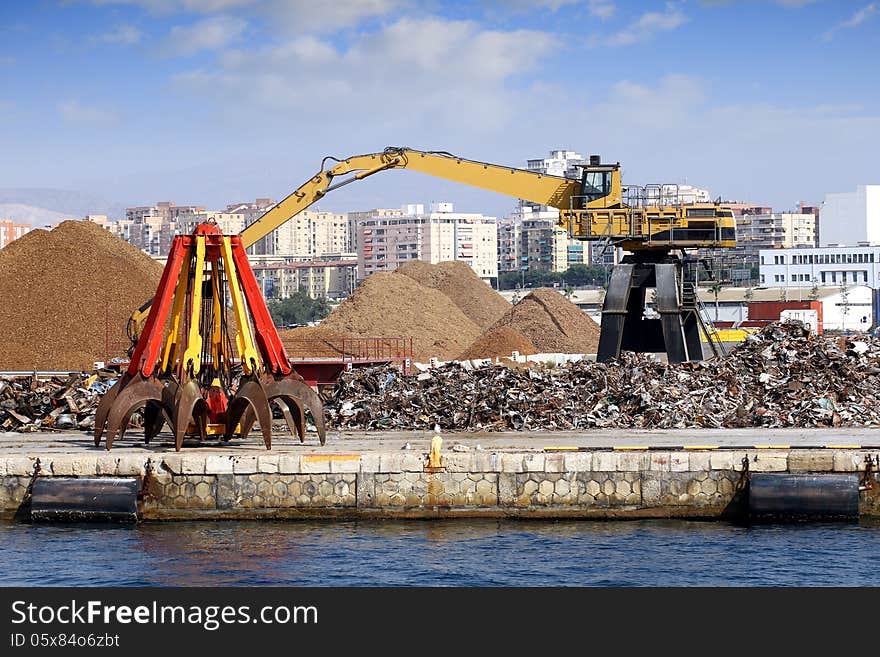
[(152, 228), (11, 230), (387, 239), (251, 211), (333, 276)]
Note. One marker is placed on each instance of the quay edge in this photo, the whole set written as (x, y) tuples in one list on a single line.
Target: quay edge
[(341, 485)]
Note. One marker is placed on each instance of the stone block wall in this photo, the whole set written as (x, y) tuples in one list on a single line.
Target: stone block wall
[(599, 484)]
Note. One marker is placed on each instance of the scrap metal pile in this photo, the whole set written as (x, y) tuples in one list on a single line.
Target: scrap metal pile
[(779, 377), (28, 403)]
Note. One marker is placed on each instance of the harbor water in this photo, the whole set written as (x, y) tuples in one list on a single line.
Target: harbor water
[(440, 553)]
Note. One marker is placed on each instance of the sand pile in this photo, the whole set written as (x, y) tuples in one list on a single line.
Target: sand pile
[(62, 290), (391, 304), (479, 302), (552, 323), (497, 342)]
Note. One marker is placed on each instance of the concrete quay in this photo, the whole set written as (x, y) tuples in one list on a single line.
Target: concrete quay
[(599, 475)]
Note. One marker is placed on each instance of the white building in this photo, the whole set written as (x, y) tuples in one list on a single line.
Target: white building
[(851, 218), (561, 163), (387, 239), (829, 265)]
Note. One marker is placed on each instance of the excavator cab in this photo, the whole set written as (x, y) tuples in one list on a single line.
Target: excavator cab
[(600, 184)]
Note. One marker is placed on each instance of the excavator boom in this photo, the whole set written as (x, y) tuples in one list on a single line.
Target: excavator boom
[(535, 187)]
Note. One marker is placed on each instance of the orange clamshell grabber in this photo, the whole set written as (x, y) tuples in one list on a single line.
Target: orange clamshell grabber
[(189, 319)]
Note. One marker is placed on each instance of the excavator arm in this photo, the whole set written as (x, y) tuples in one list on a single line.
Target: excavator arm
[(649, 223), (539, 188)]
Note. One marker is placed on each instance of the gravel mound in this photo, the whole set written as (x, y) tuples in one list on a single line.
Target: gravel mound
[(394, 305), (552, 323), (479, 302), (66, 293), (498, 342)]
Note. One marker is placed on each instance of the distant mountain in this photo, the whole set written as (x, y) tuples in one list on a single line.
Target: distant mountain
[(36, 217), (40, 202)]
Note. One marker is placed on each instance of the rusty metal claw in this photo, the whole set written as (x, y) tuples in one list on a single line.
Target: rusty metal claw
[(156, 415), (250, 395), (296, 390), (247, 421), (296, 425), (106, 404), (137, 393), (189, 405)]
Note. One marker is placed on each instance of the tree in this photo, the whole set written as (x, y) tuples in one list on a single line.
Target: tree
[(299, 308), (814, 291)]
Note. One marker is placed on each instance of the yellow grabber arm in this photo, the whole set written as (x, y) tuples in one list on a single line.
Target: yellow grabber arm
[(218, 349), (169, 353), (553, 191), (193, 353), (247, 351)]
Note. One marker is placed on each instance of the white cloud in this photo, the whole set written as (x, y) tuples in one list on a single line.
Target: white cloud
[(208, 34), (459, 75), (76, 112), (531, 5), (307, 15), (790, 4), (286, 15), (675, 131), (855, 20), (603, 9), (124, 34), (169, 6), (647, 26)]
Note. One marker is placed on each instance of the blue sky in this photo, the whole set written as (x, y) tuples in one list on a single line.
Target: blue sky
[(215, 101)]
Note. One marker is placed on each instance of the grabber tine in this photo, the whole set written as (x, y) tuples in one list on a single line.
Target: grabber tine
[(154, 420), (185, 401), (305, 396), (136, 394), (247, 421), (106, 404), (250, 392), (293, 415)]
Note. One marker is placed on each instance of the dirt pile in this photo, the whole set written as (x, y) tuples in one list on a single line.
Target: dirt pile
[(66, 293), (498, 342), (479, 302), (392, 304), (552, 323)]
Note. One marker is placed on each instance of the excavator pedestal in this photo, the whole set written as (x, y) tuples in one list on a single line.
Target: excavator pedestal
[(624, 326)]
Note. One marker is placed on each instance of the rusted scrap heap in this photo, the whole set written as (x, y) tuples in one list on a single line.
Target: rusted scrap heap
[(779, 377), (28, 403)]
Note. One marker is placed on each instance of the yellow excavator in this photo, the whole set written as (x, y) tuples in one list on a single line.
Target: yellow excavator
[(649, 222)]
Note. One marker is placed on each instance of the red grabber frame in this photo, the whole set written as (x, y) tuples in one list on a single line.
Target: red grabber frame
[(187, 342)]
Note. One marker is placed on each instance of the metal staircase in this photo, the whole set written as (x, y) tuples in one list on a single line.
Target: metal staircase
[(690, 301)]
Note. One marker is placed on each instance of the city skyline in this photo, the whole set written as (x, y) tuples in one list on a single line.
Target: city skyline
[(210, 102)]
